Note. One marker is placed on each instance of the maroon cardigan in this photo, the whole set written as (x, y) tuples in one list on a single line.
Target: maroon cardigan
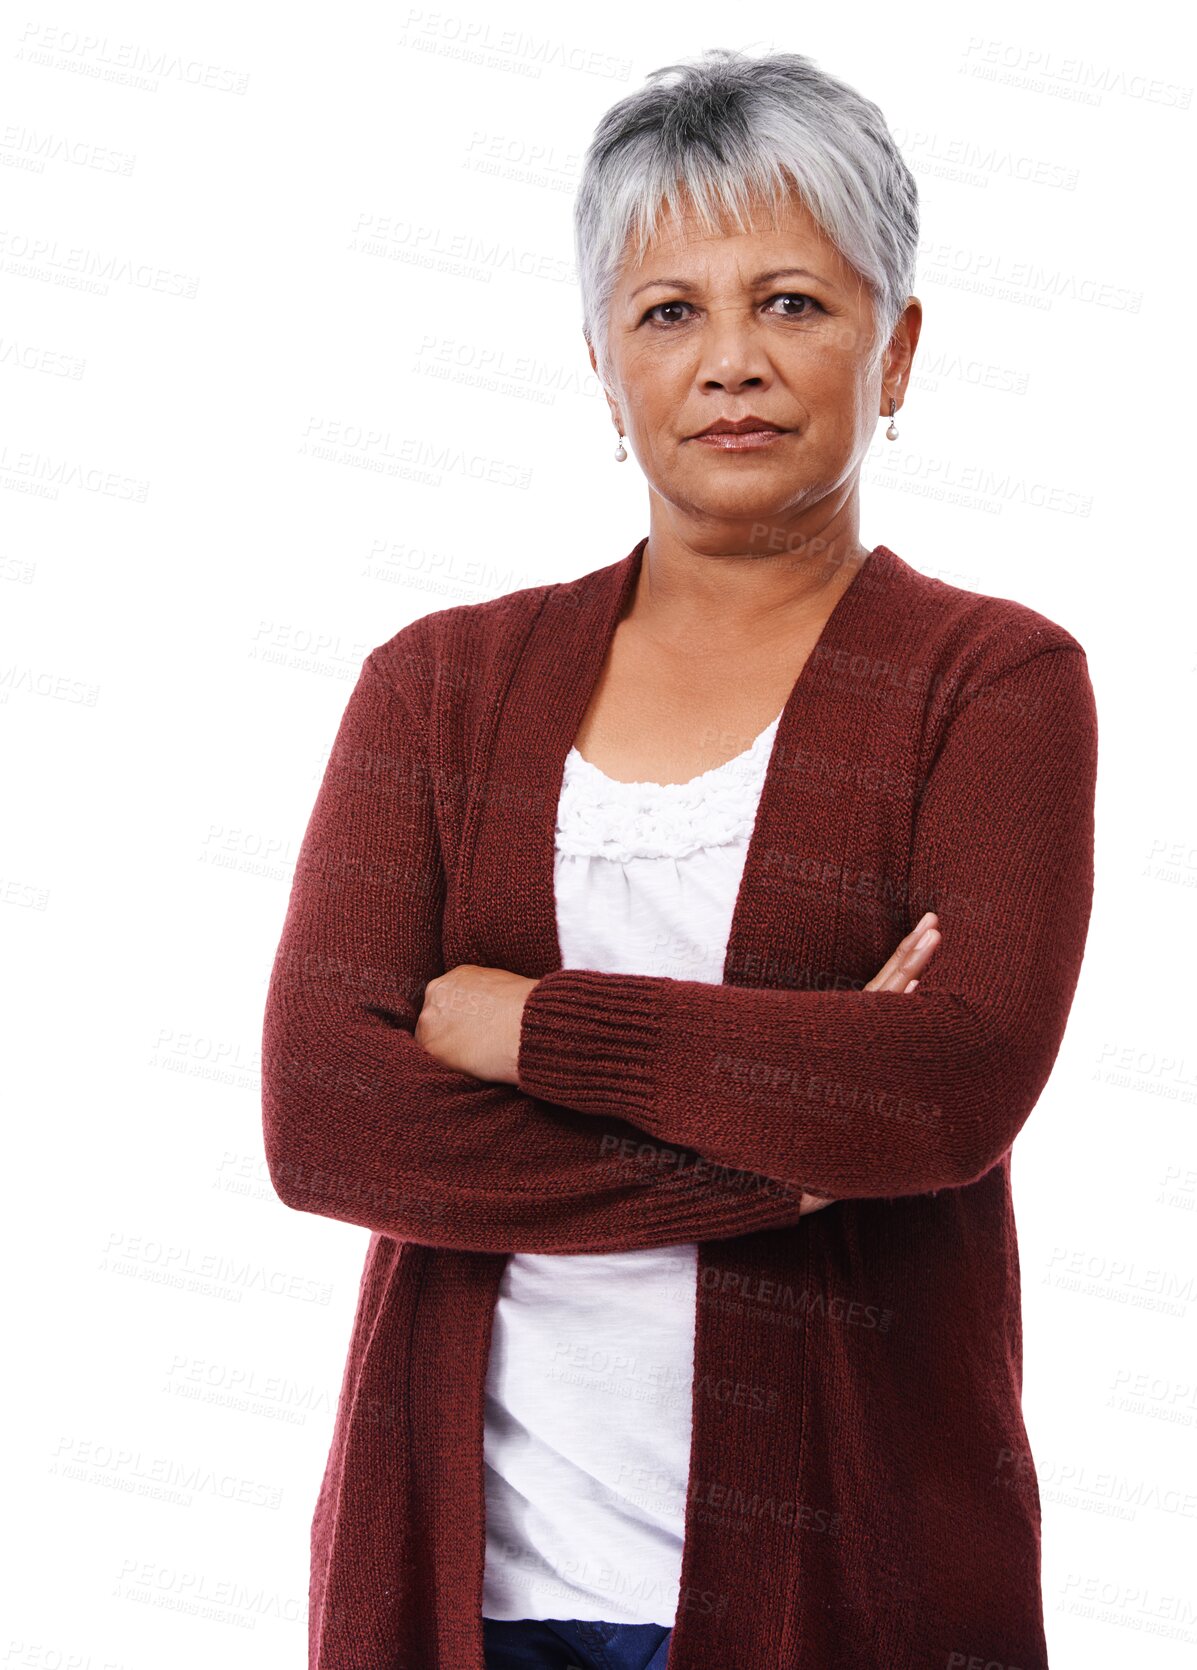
[(862, 1493)]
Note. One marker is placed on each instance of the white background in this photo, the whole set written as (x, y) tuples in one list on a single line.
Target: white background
[(290, 354)]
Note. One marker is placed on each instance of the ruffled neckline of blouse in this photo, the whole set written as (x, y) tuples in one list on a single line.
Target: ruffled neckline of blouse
[(599, 816)]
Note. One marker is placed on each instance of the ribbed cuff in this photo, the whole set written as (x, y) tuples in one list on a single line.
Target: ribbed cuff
[(588, 1041)]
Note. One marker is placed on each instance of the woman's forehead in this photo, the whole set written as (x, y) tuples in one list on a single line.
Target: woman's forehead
[(685, 245)]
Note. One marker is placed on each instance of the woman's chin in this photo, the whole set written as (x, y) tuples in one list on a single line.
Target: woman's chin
[(763, 501)]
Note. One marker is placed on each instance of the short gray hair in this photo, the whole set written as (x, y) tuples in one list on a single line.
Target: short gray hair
[(725, 126)]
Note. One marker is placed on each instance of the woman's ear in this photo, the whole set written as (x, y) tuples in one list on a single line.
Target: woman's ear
[(900, 350)]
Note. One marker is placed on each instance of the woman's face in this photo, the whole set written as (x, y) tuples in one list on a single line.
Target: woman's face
[(771, 323)]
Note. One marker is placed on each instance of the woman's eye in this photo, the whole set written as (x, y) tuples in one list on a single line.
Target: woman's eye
[(660, 306), (792, 296)]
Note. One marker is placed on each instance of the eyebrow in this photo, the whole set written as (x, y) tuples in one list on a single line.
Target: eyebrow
[(761, 278)]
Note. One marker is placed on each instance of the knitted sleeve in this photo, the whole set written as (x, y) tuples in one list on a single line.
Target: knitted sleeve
[(857, 1093), (361, 1123)]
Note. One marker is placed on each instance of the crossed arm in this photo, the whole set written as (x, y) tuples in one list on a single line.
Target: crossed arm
[(472, 1016), (851, 1094)]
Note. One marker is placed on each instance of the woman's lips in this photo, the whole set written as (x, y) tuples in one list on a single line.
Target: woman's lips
[(750, 441)]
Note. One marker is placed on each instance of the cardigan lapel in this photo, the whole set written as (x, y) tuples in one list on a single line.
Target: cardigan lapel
[(512, 864), (815, 817)]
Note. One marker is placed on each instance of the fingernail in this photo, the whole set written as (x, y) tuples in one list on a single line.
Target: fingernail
[(924, 939)]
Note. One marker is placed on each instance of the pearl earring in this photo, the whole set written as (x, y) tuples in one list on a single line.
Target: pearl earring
[(620, 451), (891, 434)]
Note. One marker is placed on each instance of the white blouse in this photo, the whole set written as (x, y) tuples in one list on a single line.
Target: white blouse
[(590, 1378)]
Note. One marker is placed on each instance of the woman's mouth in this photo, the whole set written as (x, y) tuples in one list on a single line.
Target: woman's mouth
[(751, 440)]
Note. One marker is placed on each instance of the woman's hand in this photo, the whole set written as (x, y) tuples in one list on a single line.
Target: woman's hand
[(900, 974), (470, 1020)]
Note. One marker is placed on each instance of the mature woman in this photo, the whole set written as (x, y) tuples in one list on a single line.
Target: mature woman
[(673, 955)]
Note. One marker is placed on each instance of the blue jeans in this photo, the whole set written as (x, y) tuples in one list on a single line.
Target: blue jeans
[(578, 1644)]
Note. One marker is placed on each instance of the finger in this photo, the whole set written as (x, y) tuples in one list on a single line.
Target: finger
[(910, 958), (903, 948), (910, 965), (900, 971)]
